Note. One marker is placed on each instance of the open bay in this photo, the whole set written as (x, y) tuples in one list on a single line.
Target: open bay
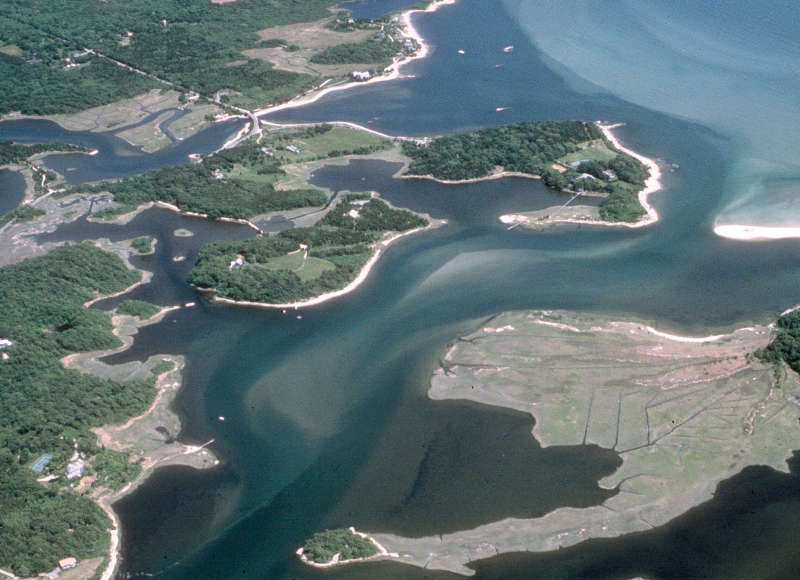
[(326, 418)]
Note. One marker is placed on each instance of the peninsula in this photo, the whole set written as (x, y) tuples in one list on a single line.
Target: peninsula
[(683, 413), (576, 157)]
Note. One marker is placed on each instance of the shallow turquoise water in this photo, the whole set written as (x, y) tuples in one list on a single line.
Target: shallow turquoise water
[(732, 66)]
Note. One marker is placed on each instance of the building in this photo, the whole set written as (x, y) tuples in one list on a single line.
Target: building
[(292, 149), (361, 75), (75, 468), (67, 563)]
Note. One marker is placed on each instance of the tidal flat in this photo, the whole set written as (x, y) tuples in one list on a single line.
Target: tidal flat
[(683, 413)]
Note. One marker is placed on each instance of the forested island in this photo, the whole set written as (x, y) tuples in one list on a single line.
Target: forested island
[(570, 156), (301, 263), (335, 546)]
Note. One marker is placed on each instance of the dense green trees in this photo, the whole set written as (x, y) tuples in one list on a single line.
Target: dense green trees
[(322, 546), (48, 408), (139, 308), (526, 147), (143, 245), (11, 152), (195, 188), (341, 238), (188, 43), (533, 148), (39, 525), (22, 213), (368, 52), (785, 346)]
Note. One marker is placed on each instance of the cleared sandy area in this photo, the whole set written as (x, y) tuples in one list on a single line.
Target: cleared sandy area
[(683, 413)]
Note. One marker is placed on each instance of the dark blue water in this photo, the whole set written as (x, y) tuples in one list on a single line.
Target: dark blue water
[(115, 157), (327, 420), (12, 189)]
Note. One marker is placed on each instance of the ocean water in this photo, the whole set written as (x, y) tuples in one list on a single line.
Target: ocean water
[(732, 66), (327, 419)]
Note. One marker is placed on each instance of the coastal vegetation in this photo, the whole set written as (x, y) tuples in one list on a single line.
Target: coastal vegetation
[(570, 156), (48, 410), (11, 152), (373, 51), (239, 182), (23, 213), (139, 308), (114, 469), (143, 245), (321, 142), (301, 263), (323, 546), (683, 413), (785, 345), (203, 188)]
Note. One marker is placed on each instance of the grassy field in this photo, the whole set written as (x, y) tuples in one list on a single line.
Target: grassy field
[(306, 268), (333, 143), (595, 150), (683, 415), (306, 40)]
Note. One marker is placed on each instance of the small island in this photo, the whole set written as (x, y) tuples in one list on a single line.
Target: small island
[(340, 546), (302, 266), (575, 157)]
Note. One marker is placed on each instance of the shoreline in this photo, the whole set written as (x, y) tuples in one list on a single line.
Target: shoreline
[(490, 177), (391, 72), (379, 247), (651, 185), (166, 385), (125, 218)]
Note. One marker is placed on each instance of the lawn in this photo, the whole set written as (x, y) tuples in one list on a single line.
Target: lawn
[(307, 269)]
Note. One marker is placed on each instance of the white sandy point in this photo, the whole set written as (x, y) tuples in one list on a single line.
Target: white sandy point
[(651, 185), (748, 233)]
